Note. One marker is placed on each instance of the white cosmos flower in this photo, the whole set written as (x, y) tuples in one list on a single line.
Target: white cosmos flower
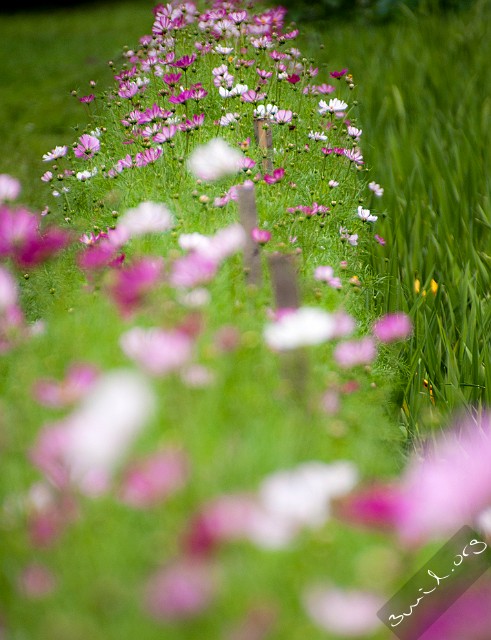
[(334, 106), (268, 111), (365, 215), (214, 160), (299, 328)]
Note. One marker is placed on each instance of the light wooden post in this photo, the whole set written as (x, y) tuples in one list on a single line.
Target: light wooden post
[(248, 219), (264, 140)]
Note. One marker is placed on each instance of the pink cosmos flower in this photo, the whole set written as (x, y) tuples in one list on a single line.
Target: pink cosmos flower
[(87, 147), (79, 379), (147, 157), (278, 175), (192, 270), (261, 236), (252, 96), (326, 274), (283, 116), (153, 479), (181, 590), (438, 493), (22, 240), (165, 134), (365, 215), (355, 352), (8, 290), (338, 74), (129, 285), (393, 327), (157, 351), (185, 62), (380, 240), (10, 187)]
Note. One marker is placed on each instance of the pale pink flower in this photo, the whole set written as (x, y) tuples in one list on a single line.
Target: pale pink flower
[(8, 290), (79, 379), (301, 327), (326, 274), (283, 116), (365, 215), (147, 217), (193, 270), (393, 327), (151, 480), (355, 352), (354, 155), (157, 351), (36, 581), (197, 376), (354, 132), (183, 589), (85, 449), (376, 188), (345, 613), (57, 152), (130, 284), (214, 160), (10, 187)]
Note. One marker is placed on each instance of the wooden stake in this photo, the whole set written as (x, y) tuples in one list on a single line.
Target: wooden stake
[(248, 219), (283, 270), (264, 140)]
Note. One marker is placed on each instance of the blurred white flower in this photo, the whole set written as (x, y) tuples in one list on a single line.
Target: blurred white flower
[(214, 160), (300, 327), (147, 217)]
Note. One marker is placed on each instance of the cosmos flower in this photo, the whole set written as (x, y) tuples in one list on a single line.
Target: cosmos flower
[(301, 327), (393, 327), (87, 147), (214, 160), (10, 187), (365, 215)]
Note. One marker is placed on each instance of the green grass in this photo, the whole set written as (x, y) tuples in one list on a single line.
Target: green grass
[(425, 108)]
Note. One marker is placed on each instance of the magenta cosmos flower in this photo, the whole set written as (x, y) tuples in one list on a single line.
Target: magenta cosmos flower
[(87, 147), (22, 240)]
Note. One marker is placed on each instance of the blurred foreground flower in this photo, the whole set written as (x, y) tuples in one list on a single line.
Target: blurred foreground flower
[(300, 328), (437, 494), (86, 448), (181, 590), (346, 613)]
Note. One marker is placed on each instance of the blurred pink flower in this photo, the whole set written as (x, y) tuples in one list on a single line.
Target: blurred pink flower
[(22, 240), (355, 352), (261, 236), (36, 581), (157, 351), (445, 489), (79, 379), (85, 449), (129, 285), (152, 480), (10, 187), (345, 613), (183, 589), (393, 327), (192, 270)]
